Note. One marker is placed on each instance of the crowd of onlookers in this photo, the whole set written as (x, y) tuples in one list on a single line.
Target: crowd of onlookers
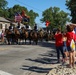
[(62, 43)]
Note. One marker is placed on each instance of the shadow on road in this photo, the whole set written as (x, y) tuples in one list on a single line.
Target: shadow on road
[(46, 58), (49, 53), (36, 69), (49, 44)]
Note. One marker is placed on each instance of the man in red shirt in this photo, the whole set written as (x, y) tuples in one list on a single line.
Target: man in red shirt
[(59, 45)]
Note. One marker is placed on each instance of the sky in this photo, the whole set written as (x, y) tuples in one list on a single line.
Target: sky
[(39, 6)]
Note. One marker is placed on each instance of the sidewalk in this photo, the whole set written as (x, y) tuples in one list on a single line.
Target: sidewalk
[(4, 73), (60, 69)]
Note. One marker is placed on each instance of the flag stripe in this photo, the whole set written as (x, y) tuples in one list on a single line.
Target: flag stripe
[(18, 18)]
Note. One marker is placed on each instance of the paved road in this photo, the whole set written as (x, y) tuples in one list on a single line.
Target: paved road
[(27, 59)]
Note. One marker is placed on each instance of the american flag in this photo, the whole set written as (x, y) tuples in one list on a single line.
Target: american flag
[(18, 17)]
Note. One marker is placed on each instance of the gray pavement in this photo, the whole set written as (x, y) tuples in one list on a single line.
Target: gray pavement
[(27, 59)]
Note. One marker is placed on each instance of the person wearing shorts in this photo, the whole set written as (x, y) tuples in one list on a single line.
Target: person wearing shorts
[(64, 45), (70, 35)]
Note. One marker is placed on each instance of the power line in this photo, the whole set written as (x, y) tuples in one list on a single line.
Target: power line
[(28, 5)]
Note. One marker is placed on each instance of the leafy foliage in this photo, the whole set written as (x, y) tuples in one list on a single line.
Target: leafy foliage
[(3, 4), (19, 9), (55, 16), (9, 13), (71, 5)]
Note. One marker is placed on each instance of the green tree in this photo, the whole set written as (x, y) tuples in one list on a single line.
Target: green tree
[(55, 16), (17, 8), (3, 4), (9, 13), (33, 16), (71, 5)]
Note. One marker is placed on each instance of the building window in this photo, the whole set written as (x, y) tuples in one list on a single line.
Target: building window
[(0, 26)]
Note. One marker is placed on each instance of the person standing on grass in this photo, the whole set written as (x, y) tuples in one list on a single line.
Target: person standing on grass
[(59, 45), (70, 35)]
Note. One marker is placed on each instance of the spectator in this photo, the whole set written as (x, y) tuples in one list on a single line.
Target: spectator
[(70, 35), (75, 29), (59, 45), (2, 36), (64, 45)]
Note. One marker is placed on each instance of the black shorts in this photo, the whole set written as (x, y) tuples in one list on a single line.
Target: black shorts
[(68, 48)]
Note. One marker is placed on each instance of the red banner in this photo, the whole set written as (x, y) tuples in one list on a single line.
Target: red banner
[(23, 13), (47, 23)]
